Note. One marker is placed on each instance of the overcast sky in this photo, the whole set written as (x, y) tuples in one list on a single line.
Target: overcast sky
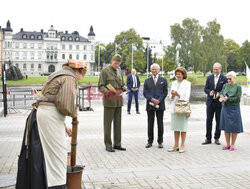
[(150, 18)]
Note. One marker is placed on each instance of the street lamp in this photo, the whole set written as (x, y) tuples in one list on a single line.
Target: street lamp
[(178, 48)]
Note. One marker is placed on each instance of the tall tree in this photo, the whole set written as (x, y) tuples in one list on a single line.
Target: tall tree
[(212, 47), (243, 56), (232, 49), (189, 36), (126, 39)]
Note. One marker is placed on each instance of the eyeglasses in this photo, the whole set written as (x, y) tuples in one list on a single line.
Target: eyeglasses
[(229, 79)]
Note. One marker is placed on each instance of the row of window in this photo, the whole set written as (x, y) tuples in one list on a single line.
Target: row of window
[(25, 45), (50, 56), (32, 66), (49, 46), (24, 56), (77, 57), (70, 38), (25, 36)]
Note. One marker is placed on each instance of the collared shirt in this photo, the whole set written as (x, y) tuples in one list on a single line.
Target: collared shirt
[(156, 78), (134, 81), (216, 79)]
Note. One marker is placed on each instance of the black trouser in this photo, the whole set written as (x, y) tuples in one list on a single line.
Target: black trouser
[(213, 108), (151, 119), (130, 96)]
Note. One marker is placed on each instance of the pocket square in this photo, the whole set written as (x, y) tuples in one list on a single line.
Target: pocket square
[(162, 82)]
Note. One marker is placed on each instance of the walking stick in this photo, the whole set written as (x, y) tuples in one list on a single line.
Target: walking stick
[(74, 141), (74, 172)]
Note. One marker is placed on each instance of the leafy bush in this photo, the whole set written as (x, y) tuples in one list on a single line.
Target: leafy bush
[(192, 78)]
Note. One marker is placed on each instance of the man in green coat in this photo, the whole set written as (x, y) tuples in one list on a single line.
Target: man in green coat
[(112, 86)]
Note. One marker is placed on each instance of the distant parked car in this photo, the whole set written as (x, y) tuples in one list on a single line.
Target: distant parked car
[(240, 73), (45, 74)]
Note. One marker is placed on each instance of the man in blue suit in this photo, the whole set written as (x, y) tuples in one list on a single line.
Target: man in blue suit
[(213, 88), (133, 86), (155, 91)]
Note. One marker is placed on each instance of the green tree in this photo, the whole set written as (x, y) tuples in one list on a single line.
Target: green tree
[(189, 36), (139, 61), (212, 47), (168, 63), (232, 49), (243, 56), (126, 39), (105, 56)]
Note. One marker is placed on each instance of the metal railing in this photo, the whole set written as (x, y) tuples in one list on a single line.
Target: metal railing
[(23, 97)]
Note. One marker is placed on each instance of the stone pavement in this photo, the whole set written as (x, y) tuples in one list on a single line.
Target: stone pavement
[(199, 167)]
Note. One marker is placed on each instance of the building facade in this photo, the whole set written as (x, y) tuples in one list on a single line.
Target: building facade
[(39, 53), (155, 46)]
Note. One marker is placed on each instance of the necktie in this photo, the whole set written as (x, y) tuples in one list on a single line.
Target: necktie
[(135, 82), (155, 80)]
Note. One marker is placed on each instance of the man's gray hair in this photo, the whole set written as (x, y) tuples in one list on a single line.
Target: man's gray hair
[(133, 70), (217, 64), (157, 65)]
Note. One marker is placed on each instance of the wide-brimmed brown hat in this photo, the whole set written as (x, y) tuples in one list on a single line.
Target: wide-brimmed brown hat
[(76, 64)]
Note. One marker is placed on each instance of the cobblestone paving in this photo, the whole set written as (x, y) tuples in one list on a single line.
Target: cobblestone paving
[(199, 167)]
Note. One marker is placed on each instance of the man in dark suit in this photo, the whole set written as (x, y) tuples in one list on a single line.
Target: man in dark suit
[(155, 91), (213, 88), (133, 85)]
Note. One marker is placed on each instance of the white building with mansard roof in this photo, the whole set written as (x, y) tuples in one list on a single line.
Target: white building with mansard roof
[(38, 53)]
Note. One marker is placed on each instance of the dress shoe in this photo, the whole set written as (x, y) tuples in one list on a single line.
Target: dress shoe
[(160, 146), (206, 142), (119, 148), (225, 147), (217, 141), (182, 150), (138, 112), (129, 113), (110, 149), (148, 145), (174, 149), (231, 148)]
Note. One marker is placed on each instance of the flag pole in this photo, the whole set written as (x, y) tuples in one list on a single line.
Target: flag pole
[(248, 79), (162, 60), (98, 66), (162, 65), (147, 60), (132, 56)]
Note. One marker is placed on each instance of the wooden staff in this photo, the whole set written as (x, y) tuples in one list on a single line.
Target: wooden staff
[(74, 141)]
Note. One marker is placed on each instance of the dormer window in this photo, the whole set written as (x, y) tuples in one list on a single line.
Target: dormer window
[(32, 37), (70, 38), (24, 36), (77, 39), (39, 37), (63, 38)]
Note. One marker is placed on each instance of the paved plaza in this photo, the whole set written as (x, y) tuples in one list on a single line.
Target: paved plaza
[(199, 167)]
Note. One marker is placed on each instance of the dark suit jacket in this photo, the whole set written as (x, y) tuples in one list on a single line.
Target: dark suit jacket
[(130, 82), (158, 91), (210, 86)]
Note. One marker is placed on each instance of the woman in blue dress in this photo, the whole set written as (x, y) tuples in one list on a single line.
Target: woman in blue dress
[(230, 120)]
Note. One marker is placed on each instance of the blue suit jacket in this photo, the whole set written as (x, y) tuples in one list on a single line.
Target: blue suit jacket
[(158, 91), (130, 82), (210, 86)]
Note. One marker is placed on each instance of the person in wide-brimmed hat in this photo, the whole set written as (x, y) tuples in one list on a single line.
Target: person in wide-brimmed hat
[(43, 159)]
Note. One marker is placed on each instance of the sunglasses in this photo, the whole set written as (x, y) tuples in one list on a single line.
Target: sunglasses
[(229, 79)]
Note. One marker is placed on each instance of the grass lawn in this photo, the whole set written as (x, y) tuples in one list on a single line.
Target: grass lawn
[(38, 81)]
